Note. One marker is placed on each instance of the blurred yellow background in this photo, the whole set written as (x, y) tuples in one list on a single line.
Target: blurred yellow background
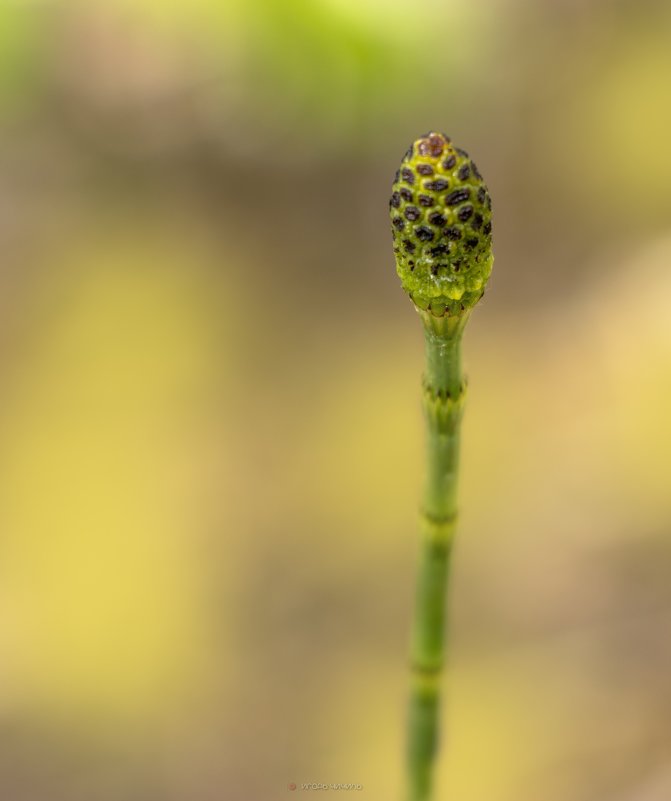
[(210, 436)]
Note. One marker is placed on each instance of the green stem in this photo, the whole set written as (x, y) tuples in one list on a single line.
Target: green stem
[(443, 395)]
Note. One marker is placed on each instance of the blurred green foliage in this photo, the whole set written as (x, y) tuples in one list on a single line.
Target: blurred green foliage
[(21, 54)]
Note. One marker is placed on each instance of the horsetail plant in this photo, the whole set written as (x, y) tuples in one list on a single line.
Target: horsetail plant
[(441, 225)]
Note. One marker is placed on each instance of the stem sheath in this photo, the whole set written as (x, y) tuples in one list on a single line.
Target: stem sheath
[(443, 396)]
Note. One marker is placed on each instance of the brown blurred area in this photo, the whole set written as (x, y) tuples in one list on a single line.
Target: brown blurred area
[(210, 437)]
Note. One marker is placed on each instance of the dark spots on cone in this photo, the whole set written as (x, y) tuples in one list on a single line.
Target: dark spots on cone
[(464, 172), (453, 233), (439, 250), (456, 265), (477, 222), (458, 196), (461, 152), (406, 194), (482, 195), (471, 243), (395, 200), (425, 169), (412, 213), (434, 269), (465, 213), (397, 176), (432, 145), (425, 200), (408, 153), (398, 223), (476, 171), (409, 246), (449, 162), (408, 175), (439, 185), (436, 218), (487, 228), (424, 233)]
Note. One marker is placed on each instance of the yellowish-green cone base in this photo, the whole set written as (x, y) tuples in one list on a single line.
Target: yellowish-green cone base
[(446, 320)]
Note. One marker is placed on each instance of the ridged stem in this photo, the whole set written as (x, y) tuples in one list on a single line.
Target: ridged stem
[(443, 396)]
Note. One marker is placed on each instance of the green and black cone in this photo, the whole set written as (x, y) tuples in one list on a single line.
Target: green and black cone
[(441, 222)]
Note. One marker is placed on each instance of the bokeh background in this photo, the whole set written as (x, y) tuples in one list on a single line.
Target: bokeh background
[(210, 432)]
